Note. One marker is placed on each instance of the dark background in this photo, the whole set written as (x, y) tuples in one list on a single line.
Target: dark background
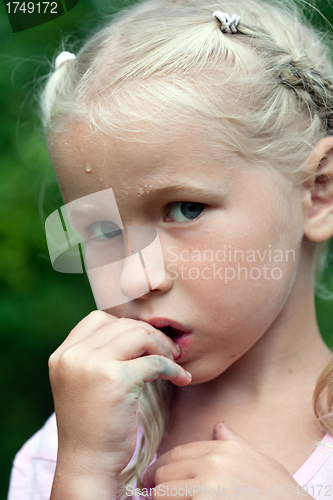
[(38, 306)]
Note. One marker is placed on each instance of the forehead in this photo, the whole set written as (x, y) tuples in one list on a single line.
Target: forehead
[(86, 161)]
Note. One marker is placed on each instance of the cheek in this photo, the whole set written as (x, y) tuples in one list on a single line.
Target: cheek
[(105, 288), (247, 276), (118, 283)]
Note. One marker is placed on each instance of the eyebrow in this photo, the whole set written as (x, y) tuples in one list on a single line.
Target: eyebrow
[(79, 214), (191, 189)]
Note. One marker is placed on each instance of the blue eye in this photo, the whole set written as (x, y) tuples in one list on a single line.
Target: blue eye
[(185, 210), (103, 230)]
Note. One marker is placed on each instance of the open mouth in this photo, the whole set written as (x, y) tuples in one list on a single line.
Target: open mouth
[(171, 332), (178, 333)]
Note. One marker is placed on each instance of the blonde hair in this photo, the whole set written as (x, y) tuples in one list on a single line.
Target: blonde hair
[(265, 93)]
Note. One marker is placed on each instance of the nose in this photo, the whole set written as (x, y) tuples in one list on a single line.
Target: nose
[(133, 281), (143, 271)]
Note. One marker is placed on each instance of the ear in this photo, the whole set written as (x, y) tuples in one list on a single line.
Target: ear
[(318, 200)]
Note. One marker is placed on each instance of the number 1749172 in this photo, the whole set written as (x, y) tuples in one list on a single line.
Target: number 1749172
[(315, 490), (32, 7)]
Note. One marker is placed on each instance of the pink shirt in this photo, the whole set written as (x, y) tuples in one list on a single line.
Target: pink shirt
[(34, 466)]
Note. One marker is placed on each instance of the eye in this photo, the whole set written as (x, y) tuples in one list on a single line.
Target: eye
[(103, 230), (184, 211)]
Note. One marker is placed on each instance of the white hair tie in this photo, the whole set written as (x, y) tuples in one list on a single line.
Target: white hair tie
[(64, 57), (228, 24)]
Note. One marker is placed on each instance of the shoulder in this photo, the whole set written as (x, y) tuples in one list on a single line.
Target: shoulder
[(317, 472), (324, 474), (34, 465)]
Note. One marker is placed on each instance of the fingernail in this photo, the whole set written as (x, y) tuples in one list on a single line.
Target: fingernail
[(188, 373), (219, 425), (177, 352)]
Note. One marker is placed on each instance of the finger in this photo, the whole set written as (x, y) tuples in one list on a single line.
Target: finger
[(134, 343), (179, 453), (123, 324), (172, 346), (100, 327), (149, 475), (119, 326), (223, 432), (86, 327), (169, 472), (149, 368)]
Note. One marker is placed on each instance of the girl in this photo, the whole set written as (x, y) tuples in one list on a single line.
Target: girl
[(215, 131)]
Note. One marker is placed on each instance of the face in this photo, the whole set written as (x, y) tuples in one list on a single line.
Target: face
[(230, 236)]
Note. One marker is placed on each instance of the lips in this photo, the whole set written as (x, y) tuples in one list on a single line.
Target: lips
[(171, 328), (180, 335)]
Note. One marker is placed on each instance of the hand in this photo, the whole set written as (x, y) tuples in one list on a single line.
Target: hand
[(97, 376), (227, 466)]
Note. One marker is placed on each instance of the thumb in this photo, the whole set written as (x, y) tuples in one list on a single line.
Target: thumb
[(223, 432)]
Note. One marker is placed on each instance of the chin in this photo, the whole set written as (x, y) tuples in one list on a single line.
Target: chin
[(200, 375)]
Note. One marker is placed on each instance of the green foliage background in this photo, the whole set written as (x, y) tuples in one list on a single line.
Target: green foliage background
[(38, 306)]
